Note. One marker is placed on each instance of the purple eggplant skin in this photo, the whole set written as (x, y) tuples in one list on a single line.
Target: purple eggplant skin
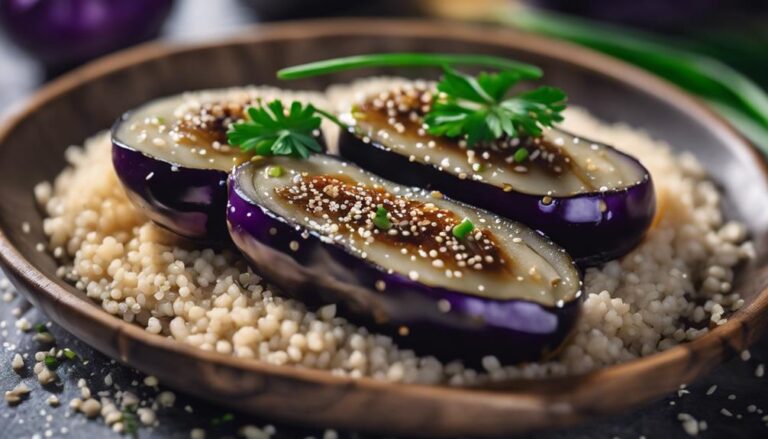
[(68, 32), (323, 272), (187, 201), (592, 227)]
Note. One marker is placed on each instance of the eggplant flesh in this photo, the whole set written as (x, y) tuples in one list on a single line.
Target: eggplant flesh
[(312, 230), (172, 156), (592, 199)]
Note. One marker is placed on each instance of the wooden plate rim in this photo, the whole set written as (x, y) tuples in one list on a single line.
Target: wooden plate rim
[(738, 332)]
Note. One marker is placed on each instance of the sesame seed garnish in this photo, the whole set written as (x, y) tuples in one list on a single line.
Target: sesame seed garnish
[(362, 214)]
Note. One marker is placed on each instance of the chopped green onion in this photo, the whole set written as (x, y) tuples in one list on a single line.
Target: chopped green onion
[(40, 328), (737, 97), (275, 171), (51, 362), (478, 167), (226, 417), (526, 71), (463, 228), (160, 120), (69, 353), (521, 155), (381, 220), (130, 423)]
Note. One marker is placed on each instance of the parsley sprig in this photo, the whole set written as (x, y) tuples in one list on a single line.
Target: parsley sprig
[(271, 130), (478, 108)]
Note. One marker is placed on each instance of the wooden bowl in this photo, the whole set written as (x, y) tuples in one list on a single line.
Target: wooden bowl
[(89, 99)]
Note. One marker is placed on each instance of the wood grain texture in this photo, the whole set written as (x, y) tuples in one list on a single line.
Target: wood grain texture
[(88, 100)]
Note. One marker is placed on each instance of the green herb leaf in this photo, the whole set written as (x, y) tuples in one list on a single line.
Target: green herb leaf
[(497, 85), (51, 362), (463, 229), (40, 328), (69, 354), (271, 130), (476, 108), (381, 220), (130, 423)]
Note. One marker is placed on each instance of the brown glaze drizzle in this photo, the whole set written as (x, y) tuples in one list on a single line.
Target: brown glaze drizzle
[(403, 109), (417, 228), (207, 128)]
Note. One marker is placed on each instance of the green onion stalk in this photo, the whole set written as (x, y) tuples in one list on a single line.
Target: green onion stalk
[(731, 94)]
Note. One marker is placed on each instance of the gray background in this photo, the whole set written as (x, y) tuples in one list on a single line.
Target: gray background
[(203, 19)]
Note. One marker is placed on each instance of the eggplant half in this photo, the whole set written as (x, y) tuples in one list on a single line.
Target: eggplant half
[(590, 198), (173, 158), (440, 276)]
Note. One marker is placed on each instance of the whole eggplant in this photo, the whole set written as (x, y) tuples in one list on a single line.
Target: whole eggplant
[(437, 320), (67, 32)]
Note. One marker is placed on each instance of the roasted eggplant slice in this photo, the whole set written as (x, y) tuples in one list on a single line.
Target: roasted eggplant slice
[(442, 276), (592, 199), (173, 158)]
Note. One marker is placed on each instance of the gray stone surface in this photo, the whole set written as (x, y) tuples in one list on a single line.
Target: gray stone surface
[(199, 19)]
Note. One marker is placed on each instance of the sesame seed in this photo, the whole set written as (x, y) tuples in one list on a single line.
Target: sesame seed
[(602, 290)]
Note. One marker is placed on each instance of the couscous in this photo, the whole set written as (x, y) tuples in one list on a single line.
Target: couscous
[(667, 283)]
